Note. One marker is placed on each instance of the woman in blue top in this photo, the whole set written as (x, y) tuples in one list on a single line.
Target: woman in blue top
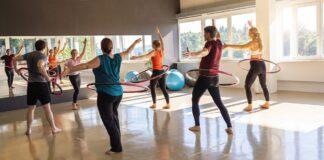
[(106, 69)]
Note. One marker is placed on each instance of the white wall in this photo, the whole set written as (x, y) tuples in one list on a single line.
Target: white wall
[(304, 76)]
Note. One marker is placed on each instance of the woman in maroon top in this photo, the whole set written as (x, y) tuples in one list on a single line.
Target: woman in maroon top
[(211, 56), (8, 60)]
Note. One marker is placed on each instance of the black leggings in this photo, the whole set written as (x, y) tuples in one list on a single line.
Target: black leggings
[(211, 83), (76, 83), (10, 74), (258, 69), (108, 110), (52, 72), (59, 69), (162, 85)]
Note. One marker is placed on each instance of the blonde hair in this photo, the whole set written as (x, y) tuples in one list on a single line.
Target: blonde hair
[(256, 37)]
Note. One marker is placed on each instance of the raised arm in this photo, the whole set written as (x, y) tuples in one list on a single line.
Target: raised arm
[(94, 63), (46, 50), (84, 49), (143, 57), (62, 50), (204, 52), (160, 37), (19, 51), (235, 46), (42, 69), (58, 47), (250, 24), (130, 49)]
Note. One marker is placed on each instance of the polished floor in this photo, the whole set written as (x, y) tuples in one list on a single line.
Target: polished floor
[(293, 129)]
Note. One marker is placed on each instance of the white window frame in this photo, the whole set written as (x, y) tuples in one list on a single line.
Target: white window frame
[(143, 50), (219, 15), (191, 19), (294, 5)]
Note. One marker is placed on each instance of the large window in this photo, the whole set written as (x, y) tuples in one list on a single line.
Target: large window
[(129, 40), (2, 47), (307, 30), (300, 29), (121, 43), (286, 22), (240, 32), (221, 25), (15, 44), (190, 36), (148, 43), (29, 45), (232, 27)]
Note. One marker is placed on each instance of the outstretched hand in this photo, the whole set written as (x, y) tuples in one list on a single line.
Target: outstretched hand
[(187, 55), (66, 71), (138, 40), (158, 30), (250, 24), (85, 41)]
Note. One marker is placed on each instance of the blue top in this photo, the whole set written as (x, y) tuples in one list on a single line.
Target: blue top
[(108, 72)]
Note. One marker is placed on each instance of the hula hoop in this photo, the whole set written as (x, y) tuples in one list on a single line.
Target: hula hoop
[(237, 80), (144, 89), (264, 60), (165, 68), (53, 81), (24, 75)]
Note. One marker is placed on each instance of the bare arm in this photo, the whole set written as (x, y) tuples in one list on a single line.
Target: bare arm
[(243, 46), (160, 37), (204, 52), (42, 69), (130, 49), (84, 49), (15, 60), (94, 63), (20, 49), (58, 47), (62, 50), (143, 57)]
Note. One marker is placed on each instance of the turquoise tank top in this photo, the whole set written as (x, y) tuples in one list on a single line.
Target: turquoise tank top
[(108, 72)]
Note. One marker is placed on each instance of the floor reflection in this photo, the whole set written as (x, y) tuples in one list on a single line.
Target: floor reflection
[(289, 130)]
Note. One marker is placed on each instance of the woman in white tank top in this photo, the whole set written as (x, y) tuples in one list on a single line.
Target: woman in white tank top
[(258, 68)]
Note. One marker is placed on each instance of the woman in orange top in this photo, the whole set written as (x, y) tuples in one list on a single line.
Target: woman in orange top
[(156, 56), (53, 65)]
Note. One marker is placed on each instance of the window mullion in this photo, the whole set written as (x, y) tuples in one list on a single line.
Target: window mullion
[(294, 37), (229, 34), (320, 30)]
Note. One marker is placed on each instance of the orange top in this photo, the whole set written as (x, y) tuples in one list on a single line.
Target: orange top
[(157, 60), (52, 62)]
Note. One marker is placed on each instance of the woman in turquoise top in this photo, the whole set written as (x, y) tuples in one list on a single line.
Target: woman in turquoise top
[(106, 69)]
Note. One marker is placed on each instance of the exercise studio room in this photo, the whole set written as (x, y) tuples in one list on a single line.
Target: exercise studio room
[(162, 80)]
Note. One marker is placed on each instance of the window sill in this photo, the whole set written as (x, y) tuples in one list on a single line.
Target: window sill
[(301, 60)]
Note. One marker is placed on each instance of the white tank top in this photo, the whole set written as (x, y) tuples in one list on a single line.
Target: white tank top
[(255, 53)]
